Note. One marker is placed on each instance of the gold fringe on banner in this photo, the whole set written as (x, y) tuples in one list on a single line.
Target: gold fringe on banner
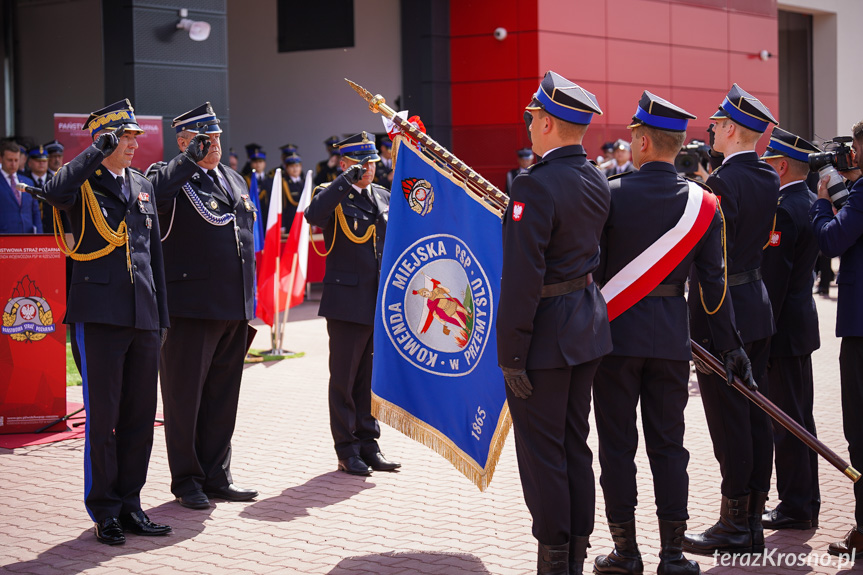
[(418, 430)]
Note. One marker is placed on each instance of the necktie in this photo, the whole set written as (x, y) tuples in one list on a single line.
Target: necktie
[(13, 182), (121, 182), (218, 182)]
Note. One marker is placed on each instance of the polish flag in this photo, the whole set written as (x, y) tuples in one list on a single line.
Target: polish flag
[(270, 264), (297, 247)]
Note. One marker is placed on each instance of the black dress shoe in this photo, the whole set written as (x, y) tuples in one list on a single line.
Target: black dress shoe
[(378, 462), (354, 465), (110, 532), (773, 519), (194, 500), (138, 523), (231, 493)]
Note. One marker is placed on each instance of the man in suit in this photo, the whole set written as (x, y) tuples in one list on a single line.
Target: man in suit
[(842, 235), (19, 211), (525, 159), (650, 331), (116, 307), (208, 218), (552, 327), (788, 267), (353, 214), (328, 170), (742, 435)]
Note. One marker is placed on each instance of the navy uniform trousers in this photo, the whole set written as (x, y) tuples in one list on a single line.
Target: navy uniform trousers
[(791, 389), (203, 361), (662, 387), (554, 461), (118, 372), (350, 390), (742, 434)]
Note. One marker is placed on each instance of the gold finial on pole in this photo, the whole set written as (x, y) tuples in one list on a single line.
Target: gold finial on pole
[(377, 103)]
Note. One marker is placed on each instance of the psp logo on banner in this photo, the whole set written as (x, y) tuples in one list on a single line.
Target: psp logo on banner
[(437, 306), (27, 315)]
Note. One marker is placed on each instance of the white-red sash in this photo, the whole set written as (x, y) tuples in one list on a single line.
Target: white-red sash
[(650, 267)]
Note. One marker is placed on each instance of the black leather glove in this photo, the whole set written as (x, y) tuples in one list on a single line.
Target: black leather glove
[(736, 363), (198, 148), (108, 141), (517, 381), (356, 172), (163, 335)]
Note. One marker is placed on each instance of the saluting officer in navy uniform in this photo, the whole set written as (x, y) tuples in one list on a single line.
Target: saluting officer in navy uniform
[(293, 182), (384, 167), (37, 170), (116, 307), (328, 170), (207, 217), (525, 159), (353, 214), (650, 361), (55, 156), (742, 435), (788, 269), (552, 326)]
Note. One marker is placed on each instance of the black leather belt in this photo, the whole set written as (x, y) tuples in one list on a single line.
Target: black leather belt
[(563, 288), (667, 290), (744, 277)]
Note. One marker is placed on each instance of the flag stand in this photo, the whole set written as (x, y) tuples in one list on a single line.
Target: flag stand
[(290, 295)]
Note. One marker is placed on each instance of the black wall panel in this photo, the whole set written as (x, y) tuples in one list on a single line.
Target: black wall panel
[(159, 68)]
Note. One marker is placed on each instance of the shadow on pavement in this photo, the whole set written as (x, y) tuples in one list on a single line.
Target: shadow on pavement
[(87, 552), (409, 562), (321, 491)]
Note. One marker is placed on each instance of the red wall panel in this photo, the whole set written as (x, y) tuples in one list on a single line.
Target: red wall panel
[(689, 51), (640, 20)]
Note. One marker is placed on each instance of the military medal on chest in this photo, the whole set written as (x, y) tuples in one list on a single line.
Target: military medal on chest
[(246, 202)]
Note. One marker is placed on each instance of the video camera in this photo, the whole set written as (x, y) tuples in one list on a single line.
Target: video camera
[(690, 156), (837, 156)]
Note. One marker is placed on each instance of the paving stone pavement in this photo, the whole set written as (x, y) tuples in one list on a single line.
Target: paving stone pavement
[(309, 518)]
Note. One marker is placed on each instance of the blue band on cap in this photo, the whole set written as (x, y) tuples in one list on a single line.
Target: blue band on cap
[(792, 153), (562, 112), (661, 122), (743, 118), (211, 127)]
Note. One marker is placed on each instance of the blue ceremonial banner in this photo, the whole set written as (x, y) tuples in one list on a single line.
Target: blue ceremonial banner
[(435, 376)]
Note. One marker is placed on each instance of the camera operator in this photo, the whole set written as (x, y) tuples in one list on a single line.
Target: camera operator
[(841, 234)]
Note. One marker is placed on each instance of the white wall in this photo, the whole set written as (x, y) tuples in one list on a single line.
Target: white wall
[(838, 84), (301, 97)]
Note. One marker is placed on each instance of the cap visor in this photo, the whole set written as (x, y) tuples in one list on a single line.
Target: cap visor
[(534, 105), (719, 115)]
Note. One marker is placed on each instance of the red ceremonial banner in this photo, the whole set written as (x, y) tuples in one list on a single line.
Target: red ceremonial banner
[(68, 131), (32, 337)]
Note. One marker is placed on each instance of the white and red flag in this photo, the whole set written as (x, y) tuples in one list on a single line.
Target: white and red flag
[(297, 248), (269, 294)]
